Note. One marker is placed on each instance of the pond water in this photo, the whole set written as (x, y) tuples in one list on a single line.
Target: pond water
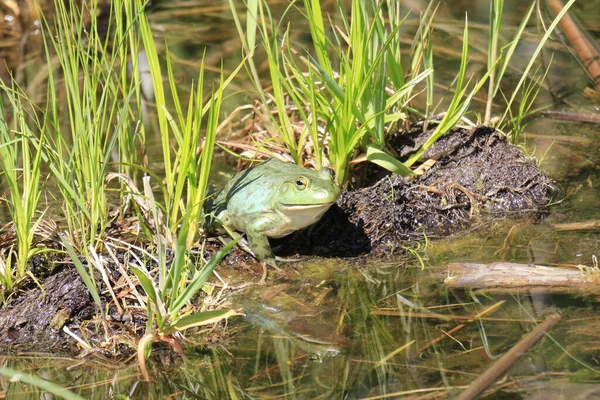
[(388, 327)]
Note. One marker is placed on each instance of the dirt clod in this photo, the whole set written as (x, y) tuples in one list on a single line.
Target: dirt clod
[(34, 320)]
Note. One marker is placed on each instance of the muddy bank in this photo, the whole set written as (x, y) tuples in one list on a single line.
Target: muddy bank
[(477, 176), (33, 321)]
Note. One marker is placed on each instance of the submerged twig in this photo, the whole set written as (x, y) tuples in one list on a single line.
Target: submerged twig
[(573, 116), (461, 326), (507, 360), (585, 49)]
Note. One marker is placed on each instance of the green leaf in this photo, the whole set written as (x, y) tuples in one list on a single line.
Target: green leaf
[(42, 384), (146, 283), (251, 24), (201, 279), (177, 270), (384, 160), (83, 273), (190, 321)]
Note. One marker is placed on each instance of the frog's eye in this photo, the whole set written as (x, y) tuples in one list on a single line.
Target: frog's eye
[(301, 183)]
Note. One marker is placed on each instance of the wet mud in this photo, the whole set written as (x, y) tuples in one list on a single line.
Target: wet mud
[(477, 176), (33, 321)]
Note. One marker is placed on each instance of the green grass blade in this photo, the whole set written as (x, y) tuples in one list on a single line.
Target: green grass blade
[(42, 384), (159, 93), (387, 161), (176, 272), (194, 320), (317, 32), (83, 273), (146, 283), (251, 23), (199, 281), (512, 46), (537, 51)]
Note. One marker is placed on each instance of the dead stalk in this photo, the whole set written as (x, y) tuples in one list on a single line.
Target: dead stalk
[(507, 360)]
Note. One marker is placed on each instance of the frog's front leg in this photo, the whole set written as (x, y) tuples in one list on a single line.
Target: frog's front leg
[(256, 229)]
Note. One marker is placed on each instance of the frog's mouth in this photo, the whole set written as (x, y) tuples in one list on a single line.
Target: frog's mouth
[(301, 207), (298, 216), (303, 215)]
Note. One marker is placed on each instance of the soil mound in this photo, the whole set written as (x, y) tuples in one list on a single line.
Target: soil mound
[(476, 175)]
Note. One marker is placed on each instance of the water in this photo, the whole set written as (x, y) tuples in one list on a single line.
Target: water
[(325, 334), (325, 339)]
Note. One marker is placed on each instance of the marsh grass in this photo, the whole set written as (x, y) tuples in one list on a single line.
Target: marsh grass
[(528, 94), (338, 100), (88, 122), (460, 101), (20, 154), (84, 137), (350, 109), (91, 129), (352, 102)]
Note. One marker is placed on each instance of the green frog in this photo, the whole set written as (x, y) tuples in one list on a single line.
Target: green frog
[(272, 200)]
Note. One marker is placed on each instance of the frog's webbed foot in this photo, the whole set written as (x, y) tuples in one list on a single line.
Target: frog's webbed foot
[(265, 259), (259, 243), (267, 262), (262, 251)]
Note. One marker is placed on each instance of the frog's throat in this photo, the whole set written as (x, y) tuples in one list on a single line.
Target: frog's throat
[(294, 207)]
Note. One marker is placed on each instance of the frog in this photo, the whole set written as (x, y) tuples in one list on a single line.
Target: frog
[(272, 200)]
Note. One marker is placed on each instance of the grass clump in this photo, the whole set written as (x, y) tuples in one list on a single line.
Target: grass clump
[(20, 154), (353, 87), (92, 129)]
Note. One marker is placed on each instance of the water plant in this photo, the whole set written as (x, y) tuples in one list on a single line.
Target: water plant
[(181, 280), (20, 154), (527, 97), (352, 103), (86, 130), (39, 383), (348, 111), (351, 87), (186, 174)]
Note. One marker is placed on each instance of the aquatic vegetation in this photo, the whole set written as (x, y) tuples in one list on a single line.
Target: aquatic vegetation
[(20, 154), (339, 100), (180, 282), (349, 111), (91, 129), (39, 383), (352, 103), (528, 83)]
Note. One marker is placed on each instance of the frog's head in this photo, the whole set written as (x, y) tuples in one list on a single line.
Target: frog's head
[(304, 197)]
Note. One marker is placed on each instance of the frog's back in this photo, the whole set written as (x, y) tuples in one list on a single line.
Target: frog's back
[(250, 191)]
